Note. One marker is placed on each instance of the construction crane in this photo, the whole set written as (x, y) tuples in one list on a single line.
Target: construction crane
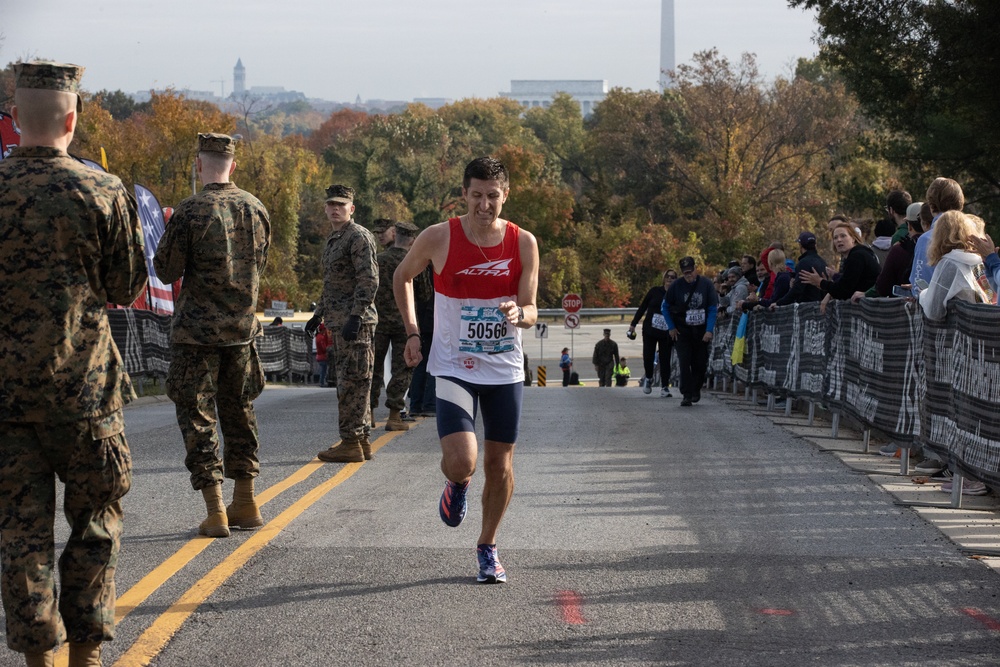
[(222, 86)]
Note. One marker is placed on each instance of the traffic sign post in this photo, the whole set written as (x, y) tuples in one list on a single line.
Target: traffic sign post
[(572, 303)]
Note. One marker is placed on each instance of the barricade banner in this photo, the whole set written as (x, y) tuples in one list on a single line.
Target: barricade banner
[(143, 340), (720, 360), (772, 347), (873, 368), (959, 414), (272, 348), (808, 361)]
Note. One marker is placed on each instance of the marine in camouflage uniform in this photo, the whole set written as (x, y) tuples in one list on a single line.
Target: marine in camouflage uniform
[(347, 306), (391, 331), (385, 232), (72, 242), (218, 241), (605, 359)]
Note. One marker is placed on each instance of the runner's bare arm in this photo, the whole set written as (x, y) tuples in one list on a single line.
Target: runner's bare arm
[(528, 287)]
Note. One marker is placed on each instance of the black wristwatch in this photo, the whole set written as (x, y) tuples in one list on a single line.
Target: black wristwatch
[(520, 313)]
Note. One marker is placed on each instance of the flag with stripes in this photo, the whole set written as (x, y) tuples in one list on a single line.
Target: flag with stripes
[(161, 297), (10, 136)]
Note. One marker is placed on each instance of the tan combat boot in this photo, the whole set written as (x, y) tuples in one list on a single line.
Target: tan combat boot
[(345, 452), (217, 524), (395, 422), (85, 655), (44, 659), (366, 448), (244, 512)]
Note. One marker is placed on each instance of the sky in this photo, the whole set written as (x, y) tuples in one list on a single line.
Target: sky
[(391, 49)]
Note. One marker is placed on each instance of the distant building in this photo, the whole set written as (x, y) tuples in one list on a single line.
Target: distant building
[(539, 93), (274, 94), (433, 102), (239, 78)]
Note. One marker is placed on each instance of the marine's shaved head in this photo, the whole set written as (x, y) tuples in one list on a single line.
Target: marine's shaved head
[(43, 112)]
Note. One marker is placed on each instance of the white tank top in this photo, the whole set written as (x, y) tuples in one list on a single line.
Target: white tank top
[(473, 341)]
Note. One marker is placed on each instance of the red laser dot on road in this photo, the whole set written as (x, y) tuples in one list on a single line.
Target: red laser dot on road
[(569, 604), (776, 612), (989, 622)]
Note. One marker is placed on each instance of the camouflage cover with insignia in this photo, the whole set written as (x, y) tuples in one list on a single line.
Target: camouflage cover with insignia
[(70, 242), (350, 277), (218, 240), (389, 319)]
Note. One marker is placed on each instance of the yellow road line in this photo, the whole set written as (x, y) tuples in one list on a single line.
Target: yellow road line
[(156, 637), (159, 576), (148, 585)]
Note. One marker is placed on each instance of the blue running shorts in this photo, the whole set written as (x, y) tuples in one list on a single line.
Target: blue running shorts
[(458, 402)]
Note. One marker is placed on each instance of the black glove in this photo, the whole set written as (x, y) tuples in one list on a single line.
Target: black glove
[(351, 328), (313, 324)]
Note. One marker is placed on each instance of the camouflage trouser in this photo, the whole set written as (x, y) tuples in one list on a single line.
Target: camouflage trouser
[(396, 388), (202, 378), (355, 362), (92, 460)]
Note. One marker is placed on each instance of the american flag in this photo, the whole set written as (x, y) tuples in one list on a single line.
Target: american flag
[(161, 297), (10, 136)]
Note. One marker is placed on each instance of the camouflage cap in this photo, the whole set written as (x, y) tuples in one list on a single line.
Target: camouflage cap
[(216, 143), (46, 75), (340, 194), (407, 228), (382, 224)]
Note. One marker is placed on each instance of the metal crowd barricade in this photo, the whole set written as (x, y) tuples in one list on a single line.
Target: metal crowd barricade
[(885, 365)]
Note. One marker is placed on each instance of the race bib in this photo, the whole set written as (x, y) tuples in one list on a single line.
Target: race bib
[(695, 317), (485, 330), (659, 322)]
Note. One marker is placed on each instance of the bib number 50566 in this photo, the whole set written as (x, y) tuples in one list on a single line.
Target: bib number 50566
[(487, 330)]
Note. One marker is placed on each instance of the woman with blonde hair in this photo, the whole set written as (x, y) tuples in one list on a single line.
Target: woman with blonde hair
[(860, 267), (958, 269), (958, 274)]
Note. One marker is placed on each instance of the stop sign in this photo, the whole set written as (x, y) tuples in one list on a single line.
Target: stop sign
[(572, 303)]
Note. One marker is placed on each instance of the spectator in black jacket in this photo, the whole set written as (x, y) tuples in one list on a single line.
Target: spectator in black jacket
[(809, 260), (860, 267)]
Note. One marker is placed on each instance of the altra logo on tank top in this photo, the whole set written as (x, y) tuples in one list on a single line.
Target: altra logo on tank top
[(497, 268)]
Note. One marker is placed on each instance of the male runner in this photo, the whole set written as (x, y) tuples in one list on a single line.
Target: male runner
[(485, 279)]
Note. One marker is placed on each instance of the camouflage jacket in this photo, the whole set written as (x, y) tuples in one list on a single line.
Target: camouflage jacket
[(389, 319), (218, 240), (605, 352), (350, 277), (70, 242)]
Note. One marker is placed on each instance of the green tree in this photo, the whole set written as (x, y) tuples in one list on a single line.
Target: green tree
[(927, 70), (560, 131), (120, 105)]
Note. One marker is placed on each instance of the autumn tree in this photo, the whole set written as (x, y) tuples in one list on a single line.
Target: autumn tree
[(723, 154), (156, 146), (335, 129), (285, 176)]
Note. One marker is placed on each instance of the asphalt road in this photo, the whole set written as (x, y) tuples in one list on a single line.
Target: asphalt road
[(640, 533)]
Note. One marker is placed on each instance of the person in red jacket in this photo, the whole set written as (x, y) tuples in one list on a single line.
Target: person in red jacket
[(323, 343)]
